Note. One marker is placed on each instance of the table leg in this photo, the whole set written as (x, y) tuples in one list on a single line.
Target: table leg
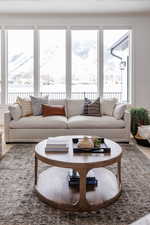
[(36, 169), (82, 201), (119, 172)]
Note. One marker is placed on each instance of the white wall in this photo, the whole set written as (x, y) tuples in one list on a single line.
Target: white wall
[(140, 25)]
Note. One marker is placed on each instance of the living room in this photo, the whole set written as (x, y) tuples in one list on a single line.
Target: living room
[(74, 54)]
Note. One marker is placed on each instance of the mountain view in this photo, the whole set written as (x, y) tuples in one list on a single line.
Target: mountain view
[(53, 61)]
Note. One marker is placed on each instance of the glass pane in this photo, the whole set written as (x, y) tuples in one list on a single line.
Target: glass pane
[(116, 58), (20, 63), (53, 63), (84, 62)]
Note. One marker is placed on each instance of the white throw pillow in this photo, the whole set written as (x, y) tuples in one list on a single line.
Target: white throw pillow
[(26, 106), (119, 111), (37, 103), (144, 131), (107, 106), (74, 107), (15, 111)]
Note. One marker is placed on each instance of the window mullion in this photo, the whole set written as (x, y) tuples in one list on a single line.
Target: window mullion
[(130, 83), (68, 64), (4, 66), (98, 63), (100, 71), (36, 62)]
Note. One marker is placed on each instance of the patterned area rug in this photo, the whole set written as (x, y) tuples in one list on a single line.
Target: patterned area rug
[(19, 203)]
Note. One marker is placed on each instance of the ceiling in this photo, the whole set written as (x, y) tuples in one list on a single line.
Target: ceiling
[(74, 6)]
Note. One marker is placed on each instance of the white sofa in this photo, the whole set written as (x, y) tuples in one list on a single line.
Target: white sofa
[(36, 128)]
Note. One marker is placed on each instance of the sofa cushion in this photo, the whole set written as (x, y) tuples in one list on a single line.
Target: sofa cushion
[(15, 111), (119, 111), (103, 122), (40, 122), (74, 107), (107, 106), (53, 110), (37, 104), (91, 108), (58, 102), (25, 105)]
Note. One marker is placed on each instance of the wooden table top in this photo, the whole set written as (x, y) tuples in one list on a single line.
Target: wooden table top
[(74, 160)]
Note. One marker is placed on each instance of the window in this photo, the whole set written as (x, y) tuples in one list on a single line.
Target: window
[(116, 58), (20, 63), (84, 62), (97, 62), (52, 62)]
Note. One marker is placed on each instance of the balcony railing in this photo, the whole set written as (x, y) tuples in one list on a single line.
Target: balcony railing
[(12, 96)]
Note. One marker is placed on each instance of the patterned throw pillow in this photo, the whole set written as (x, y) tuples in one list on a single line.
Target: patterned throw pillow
[(91, 108), (25, 105)]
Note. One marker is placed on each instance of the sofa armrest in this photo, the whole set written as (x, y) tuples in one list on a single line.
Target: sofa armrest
[(127, 119), (7, 119)]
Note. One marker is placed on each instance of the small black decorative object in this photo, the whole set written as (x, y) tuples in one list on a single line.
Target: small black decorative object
[(75, 140)]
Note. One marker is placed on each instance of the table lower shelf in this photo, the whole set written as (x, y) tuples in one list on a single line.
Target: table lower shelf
[(52, 187)]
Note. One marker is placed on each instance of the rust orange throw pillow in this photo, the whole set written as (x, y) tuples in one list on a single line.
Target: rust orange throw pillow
[(53, 110)]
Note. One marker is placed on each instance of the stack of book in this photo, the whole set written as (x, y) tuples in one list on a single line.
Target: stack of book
[(74, 179), (53, 145)]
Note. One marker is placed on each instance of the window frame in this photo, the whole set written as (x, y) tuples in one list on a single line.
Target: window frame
[(36, 60)]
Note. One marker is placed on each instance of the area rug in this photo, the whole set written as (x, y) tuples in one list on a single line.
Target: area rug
[(19, 204)]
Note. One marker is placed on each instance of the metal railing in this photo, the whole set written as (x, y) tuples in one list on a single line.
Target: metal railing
[(12, 96), (54, 95)]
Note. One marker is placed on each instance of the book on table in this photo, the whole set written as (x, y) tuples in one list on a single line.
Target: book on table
[(74, 178), (55, 145)]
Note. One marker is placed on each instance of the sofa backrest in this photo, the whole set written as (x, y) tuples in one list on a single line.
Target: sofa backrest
[(57, 101), (75, 107)]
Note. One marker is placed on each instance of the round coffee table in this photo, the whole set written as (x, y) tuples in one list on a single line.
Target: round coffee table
[(52, 184)]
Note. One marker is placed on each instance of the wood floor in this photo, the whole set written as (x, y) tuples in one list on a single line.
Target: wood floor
[(145, 150)]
